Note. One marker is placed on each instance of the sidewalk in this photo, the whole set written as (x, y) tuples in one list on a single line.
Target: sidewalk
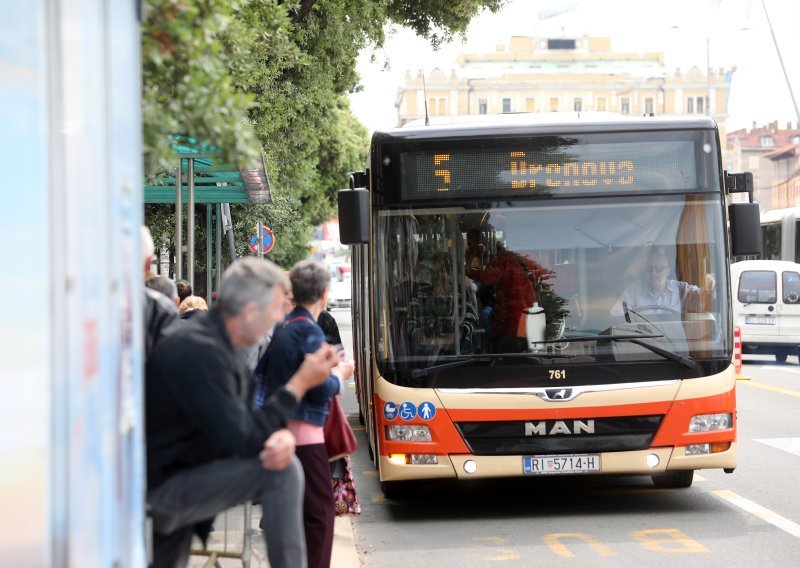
[(344, 555)]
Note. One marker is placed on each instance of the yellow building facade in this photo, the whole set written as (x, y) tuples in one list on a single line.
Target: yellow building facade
[(532, 74)]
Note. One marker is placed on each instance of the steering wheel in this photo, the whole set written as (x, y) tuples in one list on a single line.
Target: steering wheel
[(654, 308)]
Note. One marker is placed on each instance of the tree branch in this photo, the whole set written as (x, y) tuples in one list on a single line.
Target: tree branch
[(305, 8)]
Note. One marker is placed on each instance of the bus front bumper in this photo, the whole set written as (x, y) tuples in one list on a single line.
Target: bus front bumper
[(611, 463)]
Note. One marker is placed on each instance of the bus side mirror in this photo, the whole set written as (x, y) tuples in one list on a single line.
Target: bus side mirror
[(353, 216), (745, 223)]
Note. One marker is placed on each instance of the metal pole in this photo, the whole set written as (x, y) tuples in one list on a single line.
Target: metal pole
[(218, 264), (226, 211), (708, 75), (190, 225), (179, 222), (209, 232), (259, 244), (783, 67)]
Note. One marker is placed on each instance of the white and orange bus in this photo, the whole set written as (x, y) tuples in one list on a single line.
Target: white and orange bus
[(449, 222)]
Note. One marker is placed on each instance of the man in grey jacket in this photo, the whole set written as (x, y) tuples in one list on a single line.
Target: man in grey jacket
[(206, 449)]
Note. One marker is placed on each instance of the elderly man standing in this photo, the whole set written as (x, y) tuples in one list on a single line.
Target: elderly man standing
[(206, 450)]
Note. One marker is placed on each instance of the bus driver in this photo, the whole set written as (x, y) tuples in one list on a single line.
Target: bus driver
[(656, 289)]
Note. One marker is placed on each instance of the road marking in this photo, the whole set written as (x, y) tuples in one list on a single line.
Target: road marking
[(370, 473), (501, 553), (698, 477), (784, 369), (765, 386), (762, 513), (553, 541), (791, 445), (668, 540), (377, 497)]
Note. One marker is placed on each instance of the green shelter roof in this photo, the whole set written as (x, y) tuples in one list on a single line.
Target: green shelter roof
[(214, 182)]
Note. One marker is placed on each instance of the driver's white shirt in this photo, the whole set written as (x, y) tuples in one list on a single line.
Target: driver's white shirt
[(640, 294)]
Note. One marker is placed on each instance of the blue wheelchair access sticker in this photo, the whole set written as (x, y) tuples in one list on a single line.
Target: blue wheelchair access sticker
[(408, 411), (390, 411), (426, 410)]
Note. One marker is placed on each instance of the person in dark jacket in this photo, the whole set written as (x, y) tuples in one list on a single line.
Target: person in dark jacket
[(291, 342), (206, 450), (329, 327)]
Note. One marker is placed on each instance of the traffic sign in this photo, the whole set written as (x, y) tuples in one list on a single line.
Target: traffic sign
[(267, 241)]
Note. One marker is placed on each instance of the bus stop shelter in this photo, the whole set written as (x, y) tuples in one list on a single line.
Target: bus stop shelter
[(200, 178)]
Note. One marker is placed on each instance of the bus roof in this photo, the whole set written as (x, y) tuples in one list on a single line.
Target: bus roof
[(538, 123)]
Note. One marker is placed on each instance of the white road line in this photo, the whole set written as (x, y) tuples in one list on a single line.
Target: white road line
[(790, 445), (776, 368), (762, 513)]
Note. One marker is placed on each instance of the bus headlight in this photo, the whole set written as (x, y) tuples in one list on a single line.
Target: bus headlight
[(408, 433), (710, 422)]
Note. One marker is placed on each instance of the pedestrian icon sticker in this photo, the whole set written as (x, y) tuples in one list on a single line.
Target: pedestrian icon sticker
[(426, 410), (408, 411), (390, 411)]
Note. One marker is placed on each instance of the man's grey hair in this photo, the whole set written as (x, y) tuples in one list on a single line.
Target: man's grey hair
[(164, 285), (148, 248), (309, 279), (247, 280)]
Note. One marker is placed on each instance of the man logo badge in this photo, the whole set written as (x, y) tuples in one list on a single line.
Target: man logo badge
[(559, 428)]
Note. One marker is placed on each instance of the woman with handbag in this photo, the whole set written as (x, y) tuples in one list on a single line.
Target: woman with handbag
[(339, 436), (296, 337)]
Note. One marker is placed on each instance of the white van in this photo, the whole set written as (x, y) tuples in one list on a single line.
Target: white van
[(766, 306)]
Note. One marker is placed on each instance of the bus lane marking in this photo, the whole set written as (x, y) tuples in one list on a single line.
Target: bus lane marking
[(765, 386), (553, 541), (668, 540), (762, 513), (502, 553)]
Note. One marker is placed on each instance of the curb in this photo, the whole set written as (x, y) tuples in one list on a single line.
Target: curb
[(345, 554)]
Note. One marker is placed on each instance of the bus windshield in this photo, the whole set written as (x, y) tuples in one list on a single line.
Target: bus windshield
[(572, 281)]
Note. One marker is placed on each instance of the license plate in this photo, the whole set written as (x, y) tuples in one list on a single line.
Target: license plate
[(759, 320), (561, 464)]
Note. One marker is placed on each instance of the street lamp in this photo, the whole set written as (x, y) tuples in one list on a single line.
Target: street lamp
[(780, 58)]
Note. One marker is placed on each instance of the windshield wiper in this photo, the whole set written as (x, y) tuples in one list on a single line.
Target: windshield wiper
[(417, 373), (687, 362)]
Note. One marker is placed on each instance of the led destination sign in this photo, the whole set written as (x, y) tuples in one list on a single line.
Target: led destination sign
[(547, 169)]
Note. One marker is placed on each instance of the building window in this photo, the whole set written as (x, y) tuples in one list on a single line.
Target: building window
[(601, 104), (648, 106), (700, 105), (530, 104), (553, 104), (482, 106), (625, 105), (690, 105), (794, 139), (560, 44), (577, 104), (506, 105), (437, 106), (431, 106), (766, 140)]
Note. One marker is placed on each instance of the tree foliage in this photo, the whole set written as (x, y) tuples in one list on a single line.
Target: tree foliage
[(250, 74)]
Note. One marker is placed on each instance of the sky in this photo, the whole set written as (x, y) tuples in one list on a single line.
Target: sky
[(735, 31)]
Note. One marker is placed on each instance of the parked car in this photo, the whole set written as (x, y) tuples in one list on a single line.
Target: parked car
[(340, 292), (766, 306)]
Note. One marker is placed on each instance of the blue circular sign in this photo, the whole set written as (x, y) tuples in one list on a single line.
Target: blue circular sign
[(390, 411)]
